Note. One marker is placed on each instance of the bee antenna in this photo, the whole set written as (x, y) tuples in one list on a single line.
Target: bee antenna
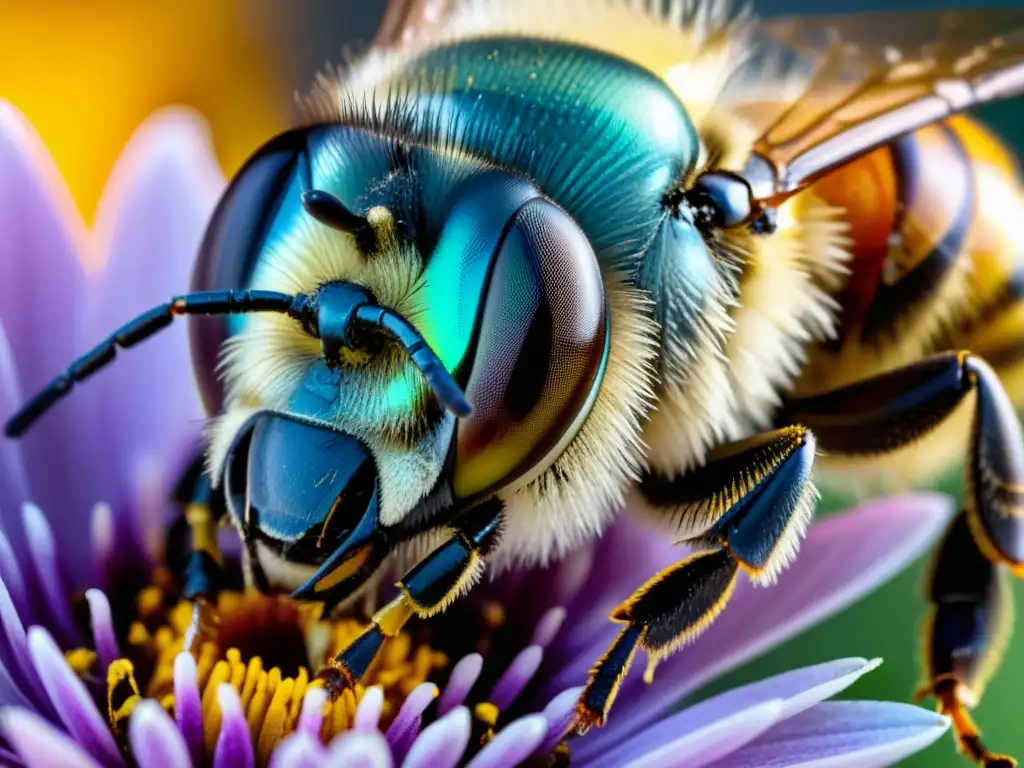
[(331, 212), (148, 324), (301, 307), (445, 388)]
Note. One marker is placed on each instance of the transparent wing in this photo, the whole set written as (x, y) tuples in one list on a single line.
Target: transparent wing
[(848, 84), (404, 19)]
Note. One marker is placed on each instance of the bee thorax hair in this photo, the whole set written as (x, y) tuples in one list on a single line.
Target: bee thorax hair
[(783, 307)]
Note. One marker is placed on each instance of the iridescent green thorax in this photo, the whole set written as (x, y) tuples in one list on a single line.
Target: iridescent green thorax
[(601, 136)]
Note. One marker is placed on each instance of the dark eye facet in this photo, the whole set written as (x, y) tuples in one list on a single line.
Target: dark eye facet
[(719, 200), (540, 354), (232, 243)]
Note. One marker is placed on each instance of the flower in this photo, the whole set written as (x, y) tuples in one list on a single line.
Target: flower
[(91, 667)]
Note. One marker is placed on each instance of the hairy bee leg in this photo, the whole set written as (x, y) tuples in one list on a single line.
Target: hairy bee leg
[(891, 410), (756, 500), (205, 567), (426, 589), (665, 613), (966, 634), (754, 497)]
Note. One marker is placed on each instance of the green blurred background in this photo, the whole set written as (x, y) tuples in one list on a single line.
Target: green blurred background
[(86, 74)]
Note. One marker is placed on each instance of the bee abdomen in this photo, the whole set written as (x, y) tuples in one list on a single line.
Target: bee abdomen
[(912, 207), (992, 321)]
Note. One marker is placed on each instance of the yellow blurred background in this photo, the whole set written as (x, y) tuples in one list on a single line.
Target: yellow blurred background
[(87, 72)]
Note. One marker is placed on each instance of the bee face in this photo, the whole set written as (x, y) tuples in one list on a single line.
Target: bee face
[(499, 282)]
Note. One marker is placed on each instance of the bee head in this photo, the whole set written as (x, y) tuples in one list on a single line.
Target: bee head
[(398, 335)]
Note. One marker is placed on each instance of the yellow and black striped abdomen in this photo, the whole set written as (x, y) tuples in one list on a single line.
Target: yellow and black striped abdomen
[(993, 323), (935, 261)]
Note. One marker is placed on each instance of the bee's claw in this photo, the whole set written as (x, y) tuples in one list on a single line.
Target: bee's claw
[(585, 718), (336, 678), (999, 761), (203, 627)]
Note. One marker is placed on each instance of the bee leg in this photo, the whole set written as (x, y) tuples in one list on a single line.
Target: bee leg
[(426, 589), (892, 410), (966, 634), (752, 502), (205, 567)]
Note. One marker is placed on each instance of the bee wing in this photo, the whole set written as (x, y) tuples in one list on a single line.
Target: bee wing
[(857, 82), (404, 19)]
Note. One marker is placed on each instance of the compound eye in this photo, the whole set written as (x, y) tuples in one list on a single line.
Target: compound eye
[(232, 242), (720, 199), (540, 355)]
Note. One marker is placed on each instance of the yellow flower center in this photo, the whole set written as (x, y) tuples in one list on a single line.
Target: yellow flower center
[(265, 648)]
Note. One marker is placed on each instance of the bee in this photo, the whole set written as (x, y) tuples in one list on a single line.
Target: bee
[(529, 264)]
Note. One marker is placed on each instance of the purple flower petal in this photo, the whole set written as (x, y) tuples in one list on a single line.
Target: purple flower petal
[(71, 700), (154, 738), (41, 240), (234, 744), (46, 568), (410, 715), (103, 540), (15, 656), (442, 743), (844, 734), (12, 693), (39, 744), (360, 749), (188, 710), (148, 508), (796, 691), (13, 479), (548, 627), (799, 689), (844, 557), (522, 669), (369, 709), (10, 574), (571, 576), (462, 679), (406, 725), (8, 758), (148, 225), (697, 748), (42, 281), (299, 750), (513, 743), (560, 714), (638, 551), (311, 716), (104, 640)]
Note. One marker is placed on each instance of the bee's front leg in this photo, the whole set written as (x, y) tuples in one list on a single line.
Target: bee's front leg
[(888, 411), (426, 589), (749, 507), (204, 570)]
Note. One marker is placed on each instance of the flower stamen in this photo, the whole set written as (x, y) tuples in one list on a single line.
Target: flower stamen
[(255, 632), (81, 661), (122, 695)]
